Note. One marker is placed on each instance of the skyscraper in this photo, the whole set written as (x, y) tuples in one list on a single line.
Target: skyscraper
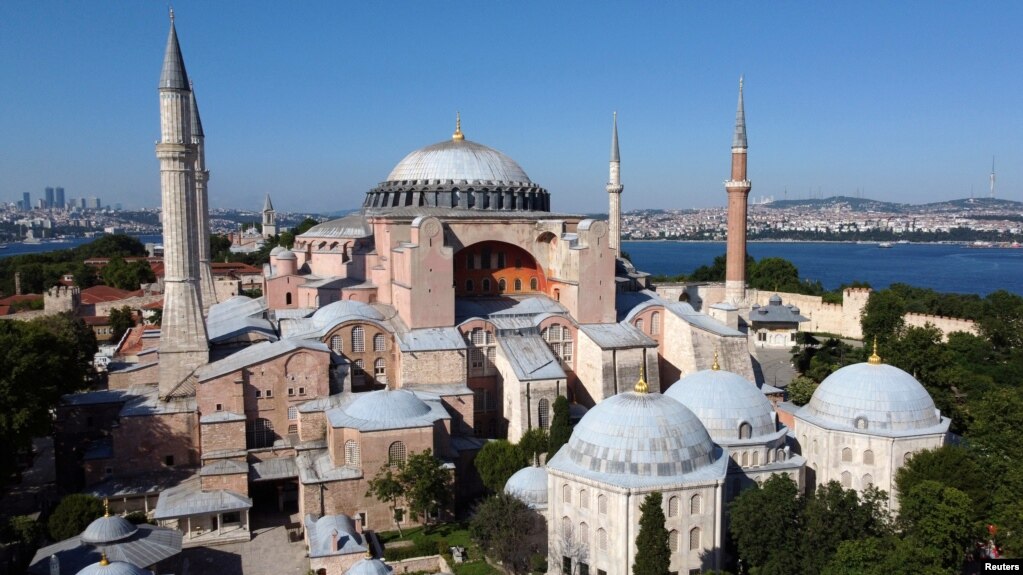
[(26, 202), (49, 198), (59, 198)]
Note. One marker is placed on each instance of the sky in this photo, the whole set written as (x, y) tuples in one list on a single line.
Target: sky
[(314, 102)]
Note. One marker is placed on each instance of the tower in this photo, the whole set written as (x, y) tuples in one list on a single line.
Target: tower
[(207, 291), (614, 191), (269, 218), (183, 340), (738, 191), (992, 177)]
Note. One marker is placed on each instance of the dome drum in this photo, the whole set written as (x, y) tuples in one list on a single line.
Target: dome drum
[(477, 195)]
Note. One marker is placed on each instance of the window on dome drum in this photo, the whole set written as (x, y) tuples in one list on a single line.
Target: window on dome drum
[(518, 284), (566, 493), (696, 504), (534, 284), (337, 345), (673, 537), (745, 430), (861, 423), (639, 324), (293, 412), (543, 409), (846, 454), (584, 499), (694, 538), (358, 373), (846, 479), (868, 457), (602, 539), (655, 323), (352, 455), (380, 370), (259, 433), (469, 285), (601, 504), (486, 284), (501, 285), (868, 481), (358, 339), (673, 507), (396, 454), (379, 343)]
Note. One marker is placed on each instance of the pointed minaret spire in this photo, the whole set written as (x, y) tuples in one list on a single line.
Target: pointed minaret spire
[(268, 206), (269, 218), (739, 141), (196, 121), (614, 191), (204, 271), (738, 187), (173, 74)]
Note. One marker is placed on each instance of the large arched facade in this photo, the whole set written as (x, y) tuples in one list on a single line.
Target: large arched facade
[(493, 268)]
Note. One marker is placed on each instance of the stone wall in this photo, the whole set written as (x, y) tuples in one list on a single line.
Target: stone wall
[(237, 482), (432, 367), (947, 325)]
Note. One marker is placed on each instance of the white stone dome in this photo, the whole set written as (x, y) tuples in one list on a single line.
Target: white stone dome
[(277, 250), (387, 405), (367, 566), (113, 568), (108, 529), (458, 160), (872, 397), (637, 438), (286, 254), (724, 401), (529, 485)]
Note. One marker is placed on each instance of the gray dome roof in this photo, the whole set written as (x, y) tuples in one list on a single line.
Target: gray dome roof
[(883, 397), (387, 405), (345, 310), (286, 254), (107, 529), (529, 484), (639, 434), (723, 401), (368, 566), (350, 226), (458, 160), (277, 250), (113, 568)]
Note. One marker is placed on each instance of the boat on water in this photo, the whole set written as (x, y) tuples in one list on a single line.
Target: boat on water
[(884, 245)]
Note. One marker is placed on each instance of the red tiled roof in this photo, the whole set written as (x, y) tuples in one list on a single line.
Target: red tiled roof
[(238, 267), (154, 305), (96, 319), (100, 294), (5, 310), (13, 299)]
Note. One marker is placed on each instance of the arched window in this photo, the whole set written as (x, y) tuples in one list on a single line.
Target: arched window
[(358, 373), (358, 339), (543, 413), (486, 284), (500, 259), (696, 504), (655, 323), (745, 458), (584, 499), (601, 504), (602, 539), (518, 284), (694, 538), (396, 453), (846, 454), (639, 324), (816, 448), (566, 529), (868, 481), (780, 455), (756, 459), (745, 430), (287, 298), (861, 423), (379, 342), (259, 433), (673, 541), (501, 285), (566, 494), (352, 455), (868, 457), (469, 285), (337, 344), (846, 479), (534, 284), (584, 533), (673, 507), (907, 457), (380, 370)]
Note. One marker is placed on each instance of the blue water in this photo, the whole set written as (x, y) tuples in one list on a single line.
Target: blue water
[(18, 249), (942, 267)]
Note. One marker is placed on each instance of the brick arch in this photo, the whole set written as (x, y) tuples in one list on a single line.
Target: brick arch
[(495, 261), (300, 365)]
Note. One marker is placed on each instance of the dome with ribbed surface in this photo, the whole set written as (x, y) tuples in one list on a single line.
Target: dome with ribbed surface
[(108, 529), (458, 160), (369, 566), (871, 397), (724, 401), (529, 485), (636, 439)]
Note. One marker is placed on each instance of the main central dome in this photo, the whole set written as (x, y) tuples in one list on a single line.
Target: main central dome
[(458, 174)]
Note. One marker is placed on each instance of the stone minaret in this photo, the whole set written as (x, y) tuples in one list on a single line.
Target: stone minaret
[(183, 339), (614, 190), (738, 190), (269, 218), (207, 292)]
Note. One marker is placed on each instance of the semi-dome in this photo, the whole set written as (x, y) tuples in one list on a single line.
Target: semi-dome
[(367, 566), (872, 396), (725, 402), (344, 310), (108, 529), (637, 439), (529, 485), (388, 405)]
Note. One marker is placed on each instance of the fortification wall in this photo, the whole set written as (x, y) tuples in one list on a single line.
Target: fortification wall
[(947, 325)]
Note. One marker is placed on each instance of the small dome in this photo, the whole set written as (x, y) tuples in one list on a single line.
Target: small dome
[(286, 254), (345, 310), (277, 250), (873, 397), (113, 568), (387, 405), (724, 401), (640, 434), (529, 485), (775, 300), (369, 566), (459, 160), (108, 529)]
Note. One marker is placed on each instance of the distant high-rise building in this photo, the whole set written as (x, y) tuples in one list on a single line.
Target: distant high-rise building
[(26, 202), (49, 198), (58, 194), (92, 203)]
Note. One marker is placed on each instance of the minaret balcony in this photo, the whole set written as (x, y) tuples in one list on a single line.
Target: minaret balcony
[(738, 184)]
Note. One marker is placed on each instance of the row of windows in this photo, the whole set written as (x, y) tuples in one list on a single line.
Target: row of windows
[(868, 456), (502, 285), (655, 323), (358, 338), (485, 261), (752, 459), (268, 393), (865, 482), (582, 533)]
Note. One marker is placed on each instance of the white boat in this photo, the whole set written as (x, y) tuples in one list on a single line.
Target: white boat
[(884, 245)]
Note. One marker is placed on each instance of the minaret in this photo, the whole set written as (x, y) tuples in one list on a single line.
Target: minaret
[(183, 340), (738, 190), (207, 291), (269, 218), (614, 190)]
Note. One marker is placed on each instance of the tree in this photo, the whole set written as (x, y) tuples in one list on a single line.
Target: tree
[(1002, 322), (995, 429), (121, 320), (534, 443), (426, 485), (952, 466), (561, 428), (127, 276), (765, 525), (653, 556), (801, 389), (387, 488), (883, 316), (509, 531), (73, 514), (833, 515), (936, 520), (860, 557), (497, 461)]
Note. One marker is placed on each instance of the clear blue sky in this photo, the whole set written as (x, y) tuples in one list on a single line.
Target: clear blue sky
[(314, 102)]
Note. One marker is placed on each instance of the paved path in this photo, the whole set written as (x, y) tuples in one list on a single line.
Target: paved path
[(776, 366), (268, 553)]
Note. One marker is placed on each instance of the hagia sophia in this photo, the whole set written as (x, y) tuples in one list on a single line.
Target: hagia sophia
[(453, 308)]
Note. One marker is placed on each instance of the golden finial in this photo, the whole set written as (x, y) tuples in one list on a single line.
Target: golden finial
[(641, 386), (369, 553), (874, 358), (106, 507), (715, 365), (458, 136), (103, 561)]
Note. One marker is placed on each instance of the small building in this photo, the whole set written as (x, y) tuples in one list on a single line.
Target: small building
[(775, 324)]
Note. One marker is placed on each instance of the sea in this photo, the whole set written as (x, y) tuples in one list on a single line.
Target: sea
[(950, 268)]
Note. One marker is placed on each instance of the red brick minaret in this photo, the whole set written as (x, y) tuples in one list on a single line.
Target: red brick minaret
[(738, 190)]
